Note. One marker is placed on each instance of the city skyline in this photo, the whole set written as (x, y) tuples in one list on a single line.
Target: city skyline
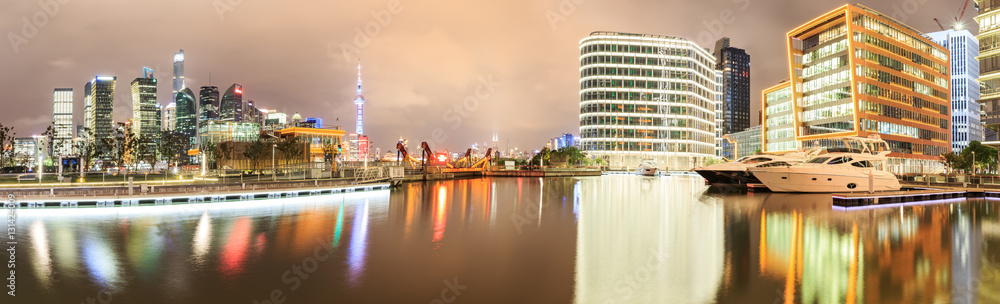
[(535, 99)]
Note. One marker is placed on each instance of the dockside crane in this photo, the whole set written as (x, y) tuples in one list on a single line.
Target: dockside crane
[(958, 20)]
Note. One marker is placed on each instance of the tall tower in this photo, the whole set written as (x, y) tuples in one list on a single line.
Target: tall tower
[(62, 118), (146, 112), (360, 101), (178, 74)]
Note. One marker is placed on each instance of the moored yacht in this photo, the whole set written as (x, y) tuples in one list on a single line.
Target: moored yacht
[(737, 173), (647, 167), (852, 169)]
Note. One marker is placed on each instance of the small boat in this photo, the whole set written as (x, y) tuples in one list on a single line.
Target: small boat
[(647, 167), (851, 169)]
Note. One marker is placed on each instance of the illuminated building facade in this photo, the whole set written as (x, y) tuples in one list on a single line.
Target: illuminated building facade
[(186, 116), (647, 97), (146, 119), (178, 73), (62, 121), (232, 106), (857, 72), (989, 64), (735, 66), (208, 104), (214, 132), (966, 125), (101, 97)]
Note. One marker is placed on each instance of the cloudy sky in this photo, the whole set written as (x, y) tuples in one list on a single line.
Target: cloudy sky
[(463, 68)]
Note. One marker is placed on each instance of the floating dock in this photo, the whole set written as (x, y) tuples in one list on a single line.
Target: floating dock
[(864, 199)]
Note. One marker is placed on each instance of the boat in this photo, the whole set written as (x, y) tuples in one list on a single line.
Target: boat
[(737, 172), (647, 167), (855, 168)]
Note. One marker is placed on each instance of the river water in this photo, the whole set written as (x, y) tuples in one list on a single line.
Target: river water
[(611, 239)]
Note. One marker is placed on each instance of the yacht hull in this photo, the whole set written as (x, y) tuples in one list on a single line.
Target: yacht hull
[(728, 177), (646, 171), (818, 180)]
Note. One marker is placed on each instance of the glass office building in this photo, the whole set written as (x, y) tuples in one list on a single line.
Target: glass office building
[(858, 72), (647, 97), (966, 125), (62, 121)]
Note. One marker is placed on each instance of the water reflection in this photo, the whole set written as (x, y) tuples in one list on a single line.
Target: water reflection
[(42, 257), (359, 243)]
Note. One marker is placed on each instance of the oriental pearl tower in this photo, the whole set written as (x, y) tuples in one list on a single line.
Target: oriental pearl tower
[(359, 100)]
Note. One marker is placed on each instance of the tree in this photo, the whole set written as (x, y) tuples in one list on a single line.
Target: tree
[(172, 146), (88, 149), (254, 151), (290, 148), (7, 136), (952, 161), (224, 153), (985, 157)]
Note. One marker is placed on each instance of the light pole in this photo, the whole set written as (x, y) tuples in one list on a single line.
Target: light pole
[(973, 163), (273, 176)]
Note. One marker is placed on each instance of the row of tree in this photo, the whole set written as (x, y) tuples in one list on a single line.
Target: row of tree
[(984, 158)]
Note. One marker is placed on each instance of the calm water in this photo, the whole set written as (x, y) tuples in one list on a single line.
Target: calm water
[(613, 239)]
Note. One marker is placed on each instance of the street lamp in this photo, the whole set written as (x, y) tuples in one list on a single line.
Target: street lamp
[(273, 176), (973, 163)]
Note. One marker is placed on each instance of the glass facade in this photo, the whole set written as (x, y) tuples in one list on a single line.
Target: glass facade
[(989, 65), (187, 116), (146, 122), (779, 124), (214, 132), (101, 95), (62, 121), (744, 143), (647, 96), (232, 105), (735, 104), (857, 72)]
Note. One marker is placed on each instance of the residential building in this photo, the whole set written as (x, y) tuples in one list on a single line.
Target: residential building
[(966, 123), (857, 72), (735, 66), (647, 97), (62, 121)]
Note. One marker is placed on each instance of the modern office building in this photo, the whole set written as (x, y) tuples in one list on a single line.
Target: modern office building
[(647, 97), (777, 123), (743, 143), (359, 100), (735, 66), (187, 116), (989, 69), (146, 117), (208, 104), (858, 72), (178, 74), (101, 97), (232, 105), (718, 114), (214, 132), (170, 116), (275, 120), (62, 121), (966, 123)]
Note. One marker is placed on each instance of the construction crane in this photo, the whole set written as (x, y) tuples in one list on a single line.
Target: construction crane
[(958, 20)]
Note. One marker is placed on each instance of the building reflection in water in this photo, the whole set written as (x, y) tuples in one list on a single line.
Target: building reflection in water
[(640, 241), (359, 243), (42, 257), (202, 240)]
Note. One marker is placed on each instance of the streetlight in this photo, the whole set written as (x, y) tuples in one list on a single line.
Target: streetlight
[(273, 176), (973, 163)]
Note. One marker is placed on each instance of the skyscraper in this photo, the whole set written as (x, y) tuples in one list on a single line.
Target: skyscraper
[(735, 66), (359, 100), (208, 104), (88, 126), (178, 74), (858, 72), (966, 123), (187, 116), (170, 117), (232, 104), (62, 121), (646, 97), (146, 121), (101, 96)]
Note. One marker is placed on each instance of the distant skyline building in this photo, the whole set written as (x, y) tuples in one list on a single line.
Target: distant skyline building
[(743, 143), (232, 105), (989, 69), (208, 104), (647, 97), (146, 119), (178, 74), (101, 95), (170, 117), (359, 100), (857, 72), (966, 123), (735, 66), (187, 116), (62, 121)]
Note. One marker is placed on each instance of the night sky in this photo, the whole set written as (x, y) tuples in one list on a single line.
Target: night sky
[(507, 66)]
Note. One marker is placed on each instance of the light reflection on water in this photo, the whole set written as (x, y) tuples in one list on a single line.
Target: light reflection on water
[(612, 239)]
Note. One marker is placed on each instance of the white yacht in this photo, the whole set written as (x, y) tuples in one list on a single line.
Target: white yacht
[(737, 172), (647, 167), (852, 169)]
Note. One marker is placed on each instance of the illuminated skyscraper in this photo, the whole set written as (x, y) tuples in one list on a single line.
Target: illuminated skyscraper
[(62, 120), (735, 66), (966, 125), (170, 117), (359, 100), (101, 95), (146, 121), (178, 74), (187, 116), (208, 104), (232, 104)]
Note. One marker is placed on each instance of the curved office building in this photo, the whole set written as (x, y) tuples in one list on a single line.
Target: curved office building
[(647, 97)]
